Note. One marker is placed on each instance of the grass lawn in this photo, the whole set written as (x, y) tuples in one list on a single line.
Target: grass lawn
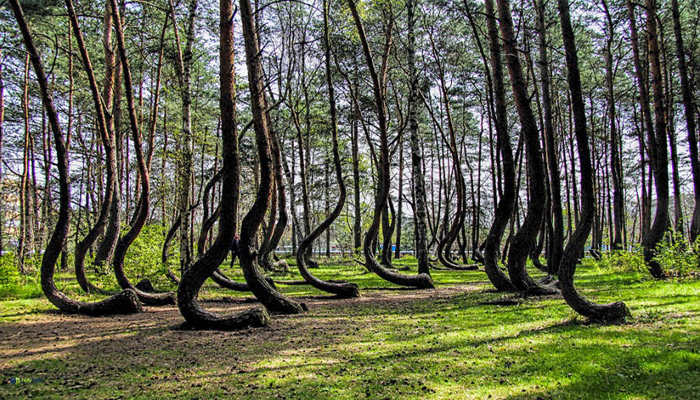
[(452, 342)]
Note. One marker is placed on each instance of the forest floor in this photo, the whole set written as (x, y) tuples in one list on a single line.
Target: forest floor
[(459, 341)]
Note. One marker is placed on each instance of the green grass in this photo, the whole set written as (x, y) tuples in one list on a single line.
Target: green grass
[(390, 344)]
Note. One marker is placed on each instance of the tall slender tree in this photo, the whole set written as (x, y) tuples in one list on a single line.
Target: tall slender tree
[(567, 268), (125, 301)]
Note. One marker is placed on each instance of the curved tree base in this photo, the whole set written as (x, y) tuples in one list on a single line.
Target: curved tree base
[(273, 300), (450, 264), (613, 312), (256, 317), (156, 299), (171, 275), (462, 267), (537, 263), (88, 286), (522, 281), (419, 281), (151, 299), (343, 290), (124, 302), (227, 283), (656, 271), (499, 280), (595, 254), (197, 317)]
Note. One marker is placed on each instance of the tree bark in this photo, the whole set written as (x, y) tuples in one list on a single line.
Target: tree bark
[(125, 301), (340, 289), (419, 196), (615, 149), (269, 297), (657, 150), (194, 277), (105, 251), (686, 90), (567, 268), (383, 166), (557, 240), (525, 237), (98, 228), (125, 242)]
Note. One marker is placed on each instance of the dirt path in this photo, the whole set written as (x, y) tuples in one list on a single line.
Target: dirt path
[(84, 352)]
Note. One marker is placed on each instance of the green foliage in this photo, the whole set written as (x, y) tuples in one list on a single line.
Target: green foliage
[(143, 258), (624, 261), (678, 257), (13, 285), (8, 270)]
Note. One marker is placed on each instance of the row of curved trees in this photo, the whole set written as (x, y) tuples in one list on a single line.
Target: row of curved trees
[(268, 206)]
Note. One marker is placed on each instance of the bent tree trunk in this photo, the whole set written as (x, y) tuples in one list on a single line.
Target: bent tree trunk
[(343, 289), (505, 206), (98, 228), (657, 149), (421, 230), (124, 302), (275, 229), (271, 298), (142, 213), (105, 250), (208, 222), (567, 268), (421, 280), (557, 217), (194, 277), (688, 108), (524, 239)]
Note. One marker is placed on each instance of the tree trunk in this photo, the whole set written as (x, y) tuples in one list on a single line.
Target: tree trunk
[(98, 228), (525, 238), (557, 239), (419, 197), (340, 289), (125, 301), (399, 212), (125, 242), (686, 90), (567, 268), (268, 296), (194, 277), (658, 152), (106, 247), (383, 166), (615, 148), (2, 120)]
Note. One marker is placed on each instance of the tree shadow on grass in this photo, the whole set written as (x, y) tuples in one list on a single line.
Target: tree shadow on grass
[(424, 344)]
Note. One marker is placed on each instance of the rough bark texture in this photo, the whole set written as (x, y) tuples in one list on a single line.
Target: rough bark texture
[(421, 280), (341, 289), (125, 242), (269, 297), (194, 277), (557, 231), (276, 229), (504, 210), (419, 196), (97, 229), (686, 90), (567, 268), (525, 238), (615, 150), (105, 250), (657, 150), (122, 303)]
